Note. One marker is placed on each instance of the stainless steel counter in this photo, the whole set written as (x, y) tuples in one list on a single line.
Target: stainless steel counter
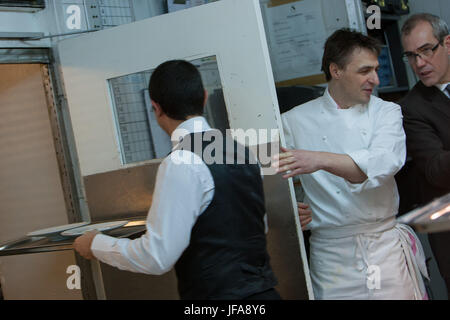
[(24, 245)]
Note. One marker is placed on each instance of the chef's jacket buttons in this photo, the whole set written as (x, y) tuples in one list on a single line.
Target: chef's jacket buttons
[(360, 265)]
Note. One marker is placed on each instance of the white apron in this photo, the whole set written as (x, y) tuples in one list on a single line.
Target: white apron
[(375, 261)]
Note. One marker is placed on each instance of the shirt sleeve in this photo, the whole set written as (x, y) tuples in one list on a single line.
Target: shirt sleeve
[(182, 192), (288, 136), (386, 153)]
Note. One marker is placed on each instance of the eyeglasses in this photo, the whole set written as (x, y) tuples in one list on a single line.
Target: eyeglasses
[(424, 54)]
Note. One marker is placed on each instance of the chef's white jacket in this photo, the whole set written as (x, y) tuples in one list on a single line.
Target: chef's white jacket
[(372, 135), (358, 250)]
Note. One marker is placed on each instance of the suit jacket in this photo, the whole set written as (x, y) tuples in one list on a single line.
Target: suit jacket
[(426, 120)]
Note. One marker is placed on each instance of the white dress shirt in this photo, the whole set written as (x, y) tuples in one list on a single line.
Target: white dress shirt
[(182, 192), (372, 135), (443, 87)]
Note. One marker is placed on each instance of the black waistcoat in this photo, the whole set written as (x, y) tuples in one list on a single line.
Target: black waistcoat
[(227, 256)]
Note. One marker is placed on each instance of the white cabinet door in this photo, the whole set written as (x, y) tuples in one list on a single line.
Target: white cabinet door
[(232, 31)]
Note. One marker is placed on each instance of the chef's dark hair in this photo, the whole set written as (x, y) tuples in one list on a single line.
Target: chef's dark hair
[(340, 45), (176, 85)]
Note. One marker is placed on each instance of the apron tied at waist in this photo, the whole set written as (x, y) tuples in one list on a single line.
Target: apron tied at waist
[(415, 259), (353, 230), (412, 248)]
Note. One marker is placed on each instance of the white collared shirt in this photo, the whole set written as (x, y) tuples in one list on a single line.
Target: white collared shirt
[(372, 135), (442, 88), (182, 192)]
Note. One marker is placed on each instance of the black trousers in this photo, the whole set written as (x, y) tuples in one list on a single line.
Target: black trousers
[(440, 243)]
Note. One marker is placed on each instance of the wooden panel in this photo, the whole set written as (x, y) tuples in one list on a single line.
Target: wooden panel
[(38, 276), (31, 195), (306, 81), (274, 3)]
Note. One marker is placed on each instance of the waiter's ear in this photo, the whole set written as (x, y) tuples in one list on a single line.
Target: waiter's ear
[(157, 109), (205, 98)]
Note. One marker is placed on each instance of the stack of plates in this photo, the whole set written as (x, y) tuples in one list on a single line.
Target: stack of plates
[(77, 229), (97, 226), (55, 230)]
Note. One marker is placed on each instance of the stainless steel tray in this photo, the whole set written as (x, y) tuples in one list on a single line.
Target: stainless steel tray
[(24, 245), (433, 217)]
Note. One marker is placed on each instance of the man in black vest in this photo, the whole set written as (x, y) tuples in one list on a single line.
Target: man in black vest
[(426, 120), (208, 215)]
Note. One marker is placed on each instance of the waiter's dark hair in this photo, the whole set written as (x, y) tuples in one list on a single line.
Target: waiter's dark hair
[(340, 45), (176, 85)]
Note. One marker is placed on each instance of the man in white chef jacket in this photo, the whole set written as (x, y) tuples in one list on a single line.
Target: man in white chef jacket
[(346, 147), (207, 218)]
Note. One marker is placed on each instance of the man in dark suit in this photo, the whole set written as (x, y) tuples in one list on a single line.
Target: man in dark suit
[(426, 112)]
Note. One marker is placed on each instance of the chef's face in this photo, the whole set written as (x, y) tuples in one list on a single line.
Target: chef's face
[(435, 68), (359, 77)]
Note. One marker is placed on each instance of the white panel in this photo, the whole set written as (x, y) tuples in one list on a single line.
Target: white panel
[(18, 22), (241, 50), (334, 14), (22, 22)]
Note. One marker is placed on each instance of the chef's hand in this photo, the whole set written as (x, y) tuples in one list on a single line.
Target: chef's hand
[(83, 244), (297, 162), (304, 213)]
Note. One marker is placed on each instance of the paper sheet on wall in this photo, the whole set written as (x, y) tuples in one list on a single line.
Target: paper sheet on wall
[(296, 33)]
